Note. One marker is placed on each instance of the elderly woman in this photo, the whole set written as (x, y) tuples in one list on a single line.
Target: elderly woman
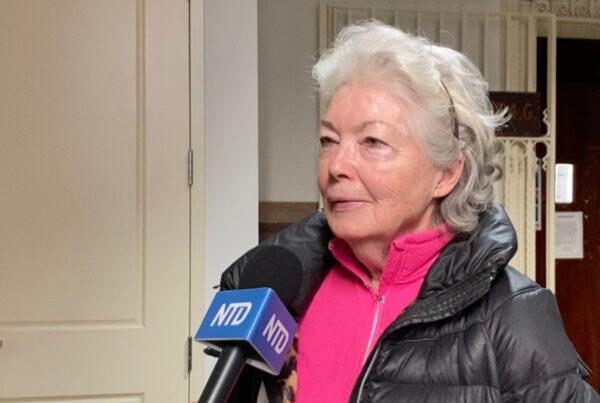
[(409, 297)]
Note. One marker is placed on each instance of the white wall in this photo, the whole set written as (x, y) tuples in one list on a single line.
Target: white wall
[(231, 135), (288, 114)]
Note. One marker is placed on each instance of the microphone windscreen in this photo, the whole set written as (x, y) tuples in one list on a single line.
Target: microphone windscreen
[(274, 267)]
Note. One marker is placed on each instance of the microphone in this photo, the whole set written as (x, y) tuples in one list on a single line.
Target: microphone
[(252, 324)]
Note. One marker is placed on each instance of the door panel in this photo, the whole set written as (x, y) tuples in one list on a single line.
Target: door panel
[(94, 240)]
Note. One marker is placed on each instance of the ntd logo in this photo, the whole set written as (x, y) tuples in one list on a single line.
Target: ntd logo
[(231, 314), (277, 334)]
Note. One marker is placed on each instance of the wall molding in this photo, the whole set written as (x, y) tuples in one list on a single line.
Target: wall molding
[(275, 216)]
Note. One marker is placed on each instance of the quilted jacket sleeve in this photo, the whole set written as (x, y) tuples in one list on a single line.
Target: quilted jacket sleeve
[(536, 360), (308, 239)]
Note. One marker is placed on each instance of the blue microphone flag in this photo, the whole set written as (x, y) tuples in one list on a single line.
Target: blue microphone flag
[(255, 316)]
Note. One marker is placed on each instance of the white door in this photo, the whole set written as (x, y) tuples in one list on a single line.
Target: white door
[(94, 202)]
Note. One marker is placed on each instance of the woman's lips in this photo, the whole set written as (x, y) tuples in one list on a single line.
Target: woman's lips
[(345, 205)]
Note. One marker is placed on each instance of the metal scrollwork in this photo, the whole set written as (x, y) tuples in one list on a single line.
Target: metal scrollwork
[(520, 162), (564, 8)]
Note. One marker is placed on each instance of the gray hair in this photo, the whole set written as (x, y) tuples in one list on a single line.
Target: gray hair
[(448, 106)]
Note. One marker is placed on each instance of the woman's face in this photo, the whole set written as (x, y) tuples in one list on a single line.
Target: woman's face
[(376, 181)]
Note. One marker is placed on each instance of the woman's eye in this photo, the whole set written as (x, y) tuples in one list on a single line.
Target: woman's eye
[(325, 141), (373, 142)]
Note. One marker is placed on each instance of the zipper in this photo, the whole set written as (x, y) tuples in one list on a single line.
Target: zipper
[(378, 304), (380, 299), (366, 374)]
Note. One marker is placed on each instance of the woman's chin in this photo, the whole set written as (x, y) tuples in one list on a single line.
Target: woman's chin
[(347, 230)]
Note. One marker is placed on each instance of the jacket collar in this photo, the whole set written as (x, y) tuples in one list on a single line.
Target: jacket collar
[(490, 246), (463, 272)]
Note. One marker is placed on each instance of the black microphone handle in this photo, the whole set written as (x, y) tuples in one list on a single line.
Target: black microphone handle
[(224, 375)]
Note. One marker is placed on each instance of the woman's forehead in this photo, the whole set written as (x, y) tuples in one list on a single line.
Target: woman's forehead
[(357, 107), (360, 127)]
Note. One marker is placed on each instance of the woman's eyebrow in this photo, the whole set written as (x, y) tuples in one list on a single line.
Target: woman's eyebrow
[(329, 125), (364, 125)]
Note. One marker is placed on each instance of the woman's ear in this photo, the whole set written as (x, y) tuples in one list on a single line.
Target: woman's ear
[(449, 178)]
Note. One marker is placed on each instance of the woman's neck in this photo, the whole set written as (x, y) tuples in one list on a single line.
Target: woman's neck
[(373, 255)]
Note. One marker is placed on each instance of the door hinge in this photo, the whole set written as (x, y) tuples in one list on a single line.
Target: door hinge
[(190, 167), (189, 355)]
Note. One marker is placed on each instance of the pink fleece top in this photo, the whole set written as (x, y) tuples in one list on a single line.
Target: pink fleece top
[(347, 314)]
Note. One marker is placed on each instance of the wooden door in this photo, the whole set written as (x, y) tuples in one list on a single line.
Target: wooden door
[(94, 205), (578, 143)]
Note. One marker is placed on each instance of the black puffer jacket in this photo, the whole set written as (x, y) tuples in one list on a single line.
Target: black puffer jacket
[(479, 330)]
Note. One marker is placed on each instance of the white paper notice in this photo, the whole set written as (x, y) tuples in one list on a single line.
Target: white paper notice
[(569, 235)]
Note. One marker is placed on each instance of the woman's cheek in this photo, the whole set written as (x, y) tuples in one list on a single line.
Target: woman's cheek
[(322, 176), (377, 154)]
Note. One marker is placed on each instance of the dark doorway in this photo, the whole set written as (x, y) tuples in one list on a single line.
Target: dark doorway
[(578, 143)]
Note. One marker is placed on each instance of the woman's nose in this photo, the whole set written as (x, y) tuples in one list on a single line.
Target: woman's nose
[(342, 162)]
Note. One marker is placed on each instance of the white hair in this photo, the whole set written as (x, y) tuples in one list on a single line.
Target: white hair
[(449, 106)]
